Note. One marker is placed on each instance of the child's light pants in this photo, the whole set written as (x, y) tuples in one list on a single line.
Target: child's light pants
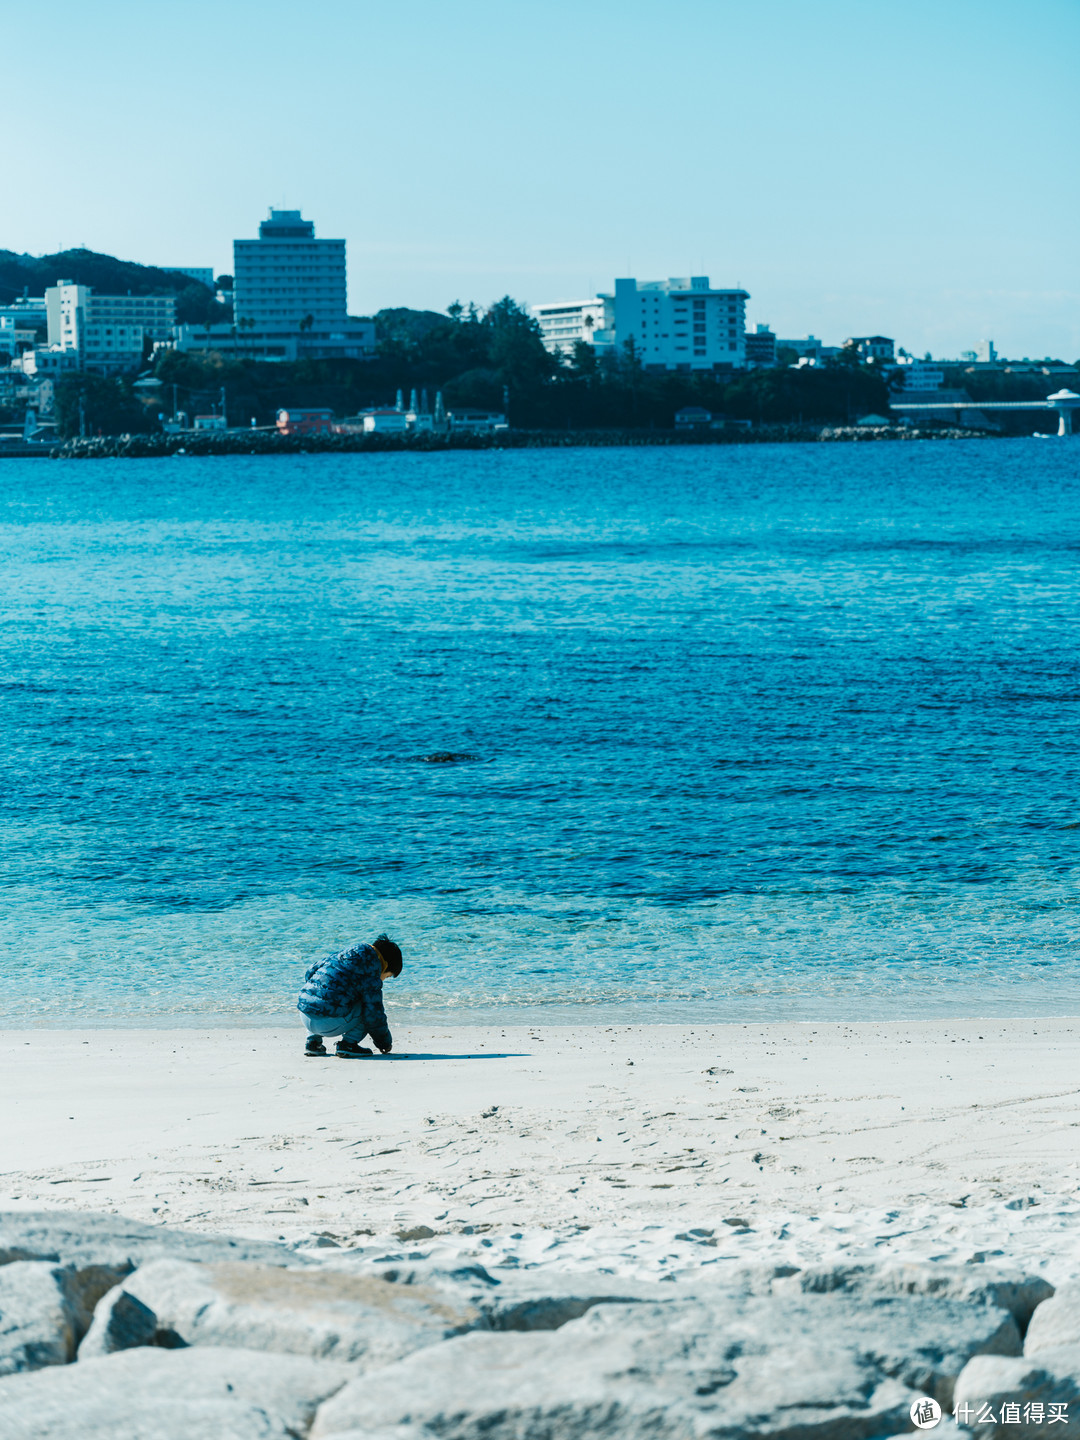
[(350, 1026)]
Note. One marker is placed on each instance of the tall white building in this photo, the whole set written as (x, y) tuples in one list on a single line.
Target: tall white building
[(106, 333), (564, 322), (289, 298), (682, 323), (286, 275)]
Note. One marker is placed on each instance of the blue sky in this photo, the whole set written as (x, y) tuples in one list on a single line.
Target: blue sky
[(857, 166)]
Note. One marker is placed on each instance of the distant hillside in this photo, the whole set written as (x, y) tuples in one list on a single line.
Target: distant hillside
[(108, 276), (404, 327)]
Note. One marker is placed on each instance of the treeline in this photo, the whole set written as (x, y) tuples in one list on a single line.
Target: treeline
[(34, 274), (489, 361)]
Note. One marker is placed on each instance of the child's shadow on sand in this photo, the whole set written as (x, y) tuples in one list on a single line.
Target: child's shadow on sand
[(486, 1055)]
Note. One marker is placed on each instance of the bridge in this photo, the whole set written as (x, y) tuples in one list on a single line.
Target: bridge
[(1064, 402)]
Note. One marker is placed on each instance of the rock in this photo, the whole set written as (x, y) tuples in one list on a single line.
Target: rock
[(45, 1311), (169, 1395), (321, 1313), (1052, 1377), (523, 1300), (816, 1365), (1010, 1290), (121, 1322), (119, 1244), (36, 1322), (1055, 1323)]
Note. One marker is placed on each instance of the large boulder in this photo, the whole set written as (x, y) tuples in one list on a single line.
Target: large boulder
[(519, 1300), (36, 1323), (731, 1364), (1009, 1290), (326, 1314), (1056, 1322), (116, 1243), (988, 1384), (162, 1395), (45, 1311)]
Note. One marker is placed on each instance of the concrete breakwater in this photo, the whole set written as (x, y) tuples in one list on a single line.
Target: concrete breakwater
[(117, 1329), (261, 442)]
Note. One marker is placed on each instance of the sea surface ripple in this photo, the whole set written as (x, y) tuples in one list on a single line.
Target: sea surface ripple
[(735, 732)]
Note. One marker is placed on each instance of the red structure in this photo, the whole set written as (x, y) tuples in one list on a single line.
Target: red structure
[(305, 422)]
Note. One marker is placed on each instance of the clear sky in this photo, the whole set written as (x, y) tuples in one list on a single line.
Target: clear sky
[(858, 166)]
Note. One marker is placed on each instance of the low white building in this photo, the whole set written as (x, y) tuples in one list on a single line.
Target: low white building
[(682, 323), (919, 375), (565, 322), (351, 340), (477, 422), (51, 361), (385, 422)]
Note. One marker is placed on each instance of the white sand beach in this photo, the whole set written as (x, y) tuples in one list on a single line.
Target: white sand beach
[(646, 1150)]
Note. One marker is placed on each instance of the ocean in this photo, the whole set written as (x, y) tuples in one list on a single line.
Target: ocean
[(681, 734)]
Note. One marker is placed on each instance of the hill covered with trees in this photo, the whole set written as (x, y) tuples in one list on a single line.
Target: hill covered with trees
[(33, 274)]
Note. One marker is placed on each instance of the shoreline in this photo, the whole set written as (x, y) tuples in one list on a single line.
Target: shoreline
[(260, 442), (786, 1143), (732, 1013)]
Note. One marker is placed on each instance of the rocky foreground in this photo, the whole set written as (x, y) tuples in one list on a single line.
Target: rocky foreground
[(115, 1330)]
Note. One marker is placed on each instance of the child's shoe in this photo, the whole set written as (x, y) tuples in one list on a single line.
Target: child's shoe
[(350, 1050), (314, 1046)]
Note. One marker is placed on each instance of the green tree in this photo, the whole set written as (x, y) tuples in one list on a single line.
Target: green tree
[(101, 405), (516, 347)]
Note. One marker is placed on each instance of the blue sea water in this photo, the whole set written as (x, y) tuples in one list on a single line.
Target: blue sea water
[(738, 732)]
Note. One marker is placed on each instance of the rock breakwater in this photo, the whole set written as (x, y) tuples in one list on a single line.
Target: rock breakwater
[(261, 442), (114, 1329)]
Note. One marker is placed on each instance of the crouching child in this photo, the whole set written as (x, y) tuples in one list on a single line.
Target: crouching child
[(342, 995)]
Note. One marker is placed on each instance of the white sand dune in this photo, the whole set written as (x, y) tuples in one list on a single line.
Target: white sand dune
[(641, 1149)]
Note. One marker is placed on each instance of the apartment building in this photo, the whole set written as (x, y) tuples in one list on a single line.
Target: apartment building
[(108, 334), (760, 348), (290, 299), (682, 323), (565, 322)]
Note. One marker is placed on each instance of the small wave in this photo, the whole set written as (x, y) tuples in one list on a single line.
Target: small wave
[(444, 757)]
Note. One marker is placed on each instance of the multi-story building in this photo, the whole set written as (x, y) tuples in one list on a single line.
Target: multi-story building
[(202, 273), (564, 322), (107, 333), (286, 275), (354, 340), (682, 323), (13, 339), (289, 299), (25, 313), (808, 348), (760, 348), (877, 348), (921, 375)]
